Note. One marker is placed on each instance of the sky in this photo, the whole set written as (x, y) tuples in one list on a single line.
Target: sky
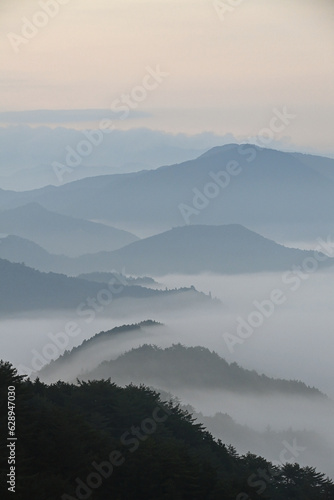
[(188, 66)]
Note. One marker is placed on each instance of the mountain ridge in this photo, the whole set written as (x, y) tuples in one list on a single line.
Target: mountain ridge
[(23, 289), (280, 194), (61, 234), (193, 249)]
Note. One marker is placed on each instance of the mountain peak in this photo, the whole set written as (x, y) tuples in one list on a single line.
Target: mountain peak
[(219, 149)]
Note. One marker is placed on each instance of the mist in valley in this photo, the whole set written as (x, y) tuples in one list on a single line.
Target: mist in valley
[(291, 343)]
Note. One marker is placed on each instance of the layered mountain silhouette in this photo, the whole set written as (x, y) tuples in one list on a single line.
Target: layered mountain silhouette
[(61, 234), (103, 345), (230, 249), (281, 195), (191, 367), (195, 369), (166, 368), (22, 250), (31, 165), (23, 289)]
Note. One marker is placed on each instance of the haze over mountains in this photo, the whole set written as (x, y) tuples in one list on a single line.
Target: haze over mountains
[(31, 165), (230, 249), (61, 234), (196, 373), (167, 250), (90, 353), (284, 196), (23, 289), (221, 222), (192, 367)]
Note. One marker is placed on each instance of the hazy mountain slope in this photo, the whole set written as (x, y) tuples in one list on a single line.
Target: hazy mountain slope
[(282, 195), (317, 450), (192, 367), (103, 345), (194, 249), (25, 289), (22, 250), (227, 249), (30, 165), (61, 234)]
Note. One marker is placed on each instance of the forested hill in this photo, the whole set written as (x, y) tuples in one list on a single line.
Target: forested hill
[(192, 367), (99, 347), (96, 440)]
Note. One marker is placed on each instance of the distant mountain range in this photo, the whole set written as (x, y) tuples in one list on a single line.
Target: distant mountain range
[(23, 289), (31, 165), (230, 249), (61, 234), (285, 196)]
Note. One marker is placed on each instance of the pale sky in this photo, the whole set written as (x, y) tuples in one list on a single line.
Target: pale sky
[(226, 73)]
